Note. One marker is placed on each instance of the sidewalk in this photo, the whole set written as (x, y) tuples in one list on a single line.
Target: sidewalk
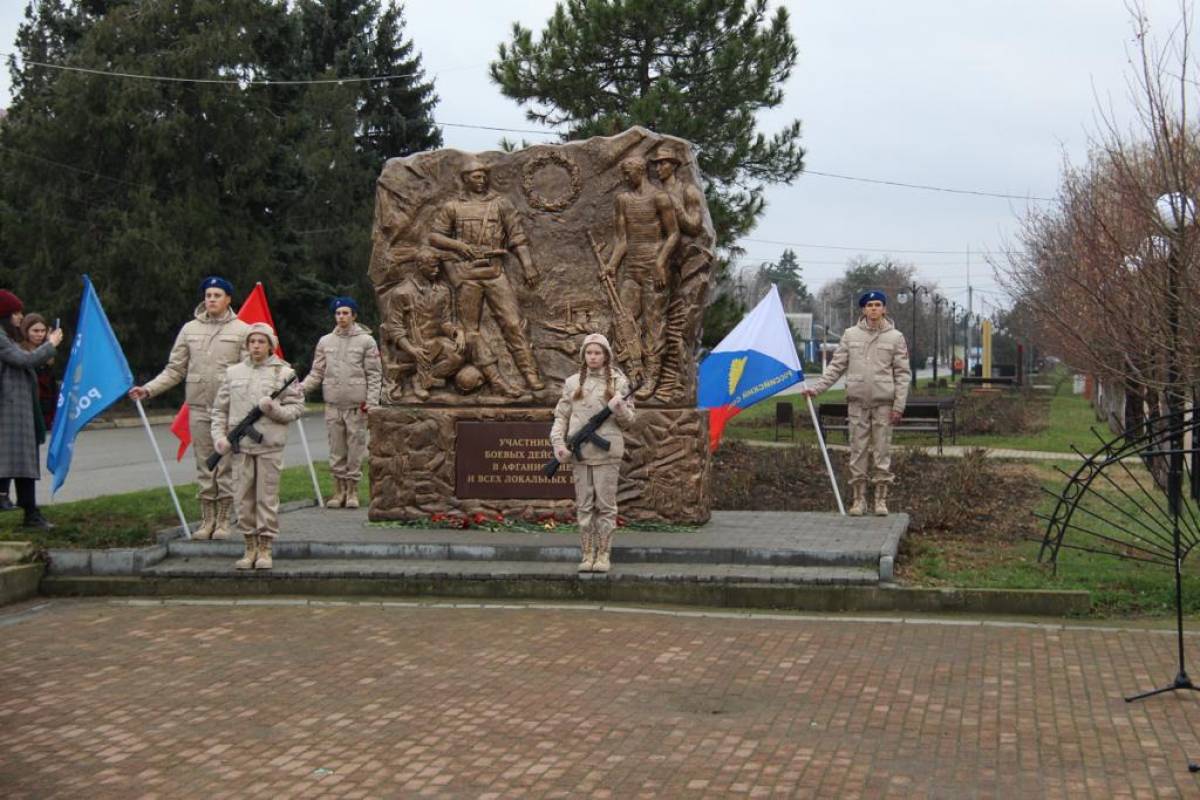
[(208, 699)]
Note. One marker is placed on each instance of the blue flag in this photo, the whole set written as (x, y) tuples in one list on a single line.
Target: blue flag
[(97, 376)]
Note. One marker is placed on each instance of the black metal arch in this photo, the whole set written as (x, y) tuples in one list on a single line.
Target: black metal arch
[(1149, 529)]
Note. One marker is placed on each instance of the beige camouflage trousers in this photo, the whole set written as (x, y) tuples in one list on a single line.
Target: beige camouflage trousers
[(870, 444), (210, 484), (347, 429), (596, 497), (258, 492)]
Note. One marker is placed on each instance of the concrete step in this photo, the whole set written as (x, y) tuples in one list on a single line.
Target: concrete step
[(562, 554), (477, 570)]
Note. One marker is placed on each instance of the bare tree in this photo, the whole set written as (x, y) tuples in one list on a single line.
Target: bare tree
[(1105, 277)]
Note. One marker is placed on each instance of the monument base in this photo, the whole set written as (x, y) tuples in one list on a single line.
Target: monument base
[(415, 457)]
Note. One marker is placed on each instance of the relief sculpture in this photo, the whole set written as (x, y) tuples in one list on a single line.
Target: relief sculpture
[(490, 269)]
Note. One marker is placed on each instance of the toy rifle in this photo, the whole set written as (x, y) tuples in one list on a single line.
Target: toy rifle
[(587, 434), (246, 428), (629, 337)]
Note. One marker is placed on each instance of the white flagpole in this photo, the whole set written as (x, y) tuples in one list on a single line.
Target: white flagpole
[(187, 533), (824, 452), (312, 471)]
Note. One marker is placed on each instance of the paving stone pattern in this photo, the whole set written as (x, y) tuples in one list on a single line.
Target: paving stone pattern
[(271, 700)]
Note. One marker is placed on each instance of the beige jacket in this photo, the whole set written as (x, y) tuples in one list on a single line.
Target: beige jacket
[(346, 366), (247, 382), (570, 415), (202, 351), (875, 363)]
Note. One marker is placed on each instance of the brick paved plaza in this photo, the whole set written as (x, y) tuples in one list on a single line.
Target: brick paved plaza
[(130, 699)]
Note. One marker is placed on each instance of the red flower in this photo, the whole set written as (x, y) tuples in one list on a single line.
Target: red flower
[(479, 518)]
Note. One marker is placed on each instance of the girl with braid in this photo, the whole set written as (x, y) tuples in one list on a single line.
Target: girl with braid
[(597, 384)]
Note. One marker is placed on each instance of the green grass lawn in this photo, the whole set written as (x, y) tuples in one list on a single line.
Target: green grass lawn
[(1119, 587), (1070, 419), (130, 520)]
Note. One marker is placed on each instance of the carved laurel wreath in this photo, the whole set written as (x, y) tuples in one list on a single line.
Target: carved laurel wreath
[(534, 165)]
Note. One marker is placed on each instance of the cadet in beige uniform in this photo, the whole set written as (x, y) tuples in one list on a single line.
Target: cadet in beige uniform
[(874, 357), (248, 384), (202, 350), (597, 384), (346, 366)]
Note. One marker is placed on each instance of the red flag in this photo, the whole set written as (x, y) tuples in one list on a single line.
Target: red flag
[(181, 427), (255, 309)]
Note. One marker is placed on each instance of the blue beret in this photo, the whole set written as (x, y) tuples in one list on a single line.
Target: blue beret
[(338, 302), (216, 282), (874, 294)]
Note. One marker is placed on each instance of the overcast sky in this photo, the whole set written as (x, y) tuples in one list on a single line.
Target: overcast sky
[(968, 94)]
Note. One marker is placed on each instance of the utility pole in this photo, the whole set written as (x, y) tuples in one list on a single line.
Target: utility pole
[(970, 310)]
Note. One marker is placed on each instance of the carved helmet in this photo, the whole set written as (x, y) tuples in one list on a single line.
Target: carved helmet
[(473, 164), (668, 151)]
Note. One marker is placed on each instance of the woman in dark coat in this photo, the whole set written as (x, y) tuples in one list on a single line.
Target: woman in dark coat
[(20, 412)]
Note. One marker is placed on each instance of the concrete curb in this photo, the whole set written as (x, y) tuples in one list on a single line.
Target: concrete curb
[(129, 561), (709, 594), (20, 582), (538, 553)]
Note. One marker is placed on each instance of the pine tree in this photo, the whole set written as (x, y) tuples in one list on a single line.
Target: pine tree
[(698, 69), (150, 185), (786, 274)]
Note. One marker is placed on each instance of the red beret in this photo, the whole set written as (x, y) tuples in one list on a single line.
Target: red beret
[(9, 303)]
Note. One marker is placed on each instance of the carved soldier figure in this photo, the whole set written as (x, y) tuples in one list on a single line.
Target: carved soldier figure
[(420, 326), (647, 235), (482, 227), (694, 259)]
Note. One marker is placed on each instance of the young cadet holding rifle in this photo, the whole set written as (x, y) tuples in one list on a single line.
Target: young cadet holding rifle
[(597, 385), (266, 383)]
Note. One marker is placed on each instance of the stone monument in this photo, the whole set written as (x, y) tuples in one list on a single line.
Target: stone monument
[(489, 269)]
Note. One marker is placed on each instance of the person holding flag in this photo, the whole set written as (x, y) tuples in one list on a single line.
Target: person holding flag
[(22, 428), (205, 347), (874, 358), (347, 367)]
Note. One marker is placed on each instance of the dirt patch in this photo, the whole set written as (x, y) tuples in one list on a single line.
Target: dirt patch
[(1002, 412)]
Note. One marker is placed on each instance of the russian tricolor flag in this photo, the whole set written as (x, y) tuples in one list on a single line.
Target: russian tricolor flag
[(756, 360)]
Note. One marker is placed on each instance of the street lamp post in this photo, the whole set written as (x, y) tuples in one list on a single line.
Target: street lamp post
[(937, 301), (1177, 212), (953, 325), (966, 342), (914, 291)]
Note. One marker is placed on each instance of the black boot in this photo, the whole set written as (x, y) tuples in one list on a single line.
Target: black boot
[(34, 519), (5, 503)]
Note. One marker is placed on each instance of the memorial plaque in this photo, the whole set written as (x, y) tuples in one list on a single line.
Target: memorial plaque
[(502, 460)]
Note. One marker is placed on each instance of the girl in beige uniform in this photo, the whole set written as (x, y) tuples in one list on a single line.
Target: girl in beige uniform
[(597, 384), (248, 384)]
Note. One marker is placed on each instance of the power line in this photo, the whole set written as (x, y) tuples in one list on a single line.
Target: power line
[(928, 187), (859, 249), (73, 168), (221, 81)]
